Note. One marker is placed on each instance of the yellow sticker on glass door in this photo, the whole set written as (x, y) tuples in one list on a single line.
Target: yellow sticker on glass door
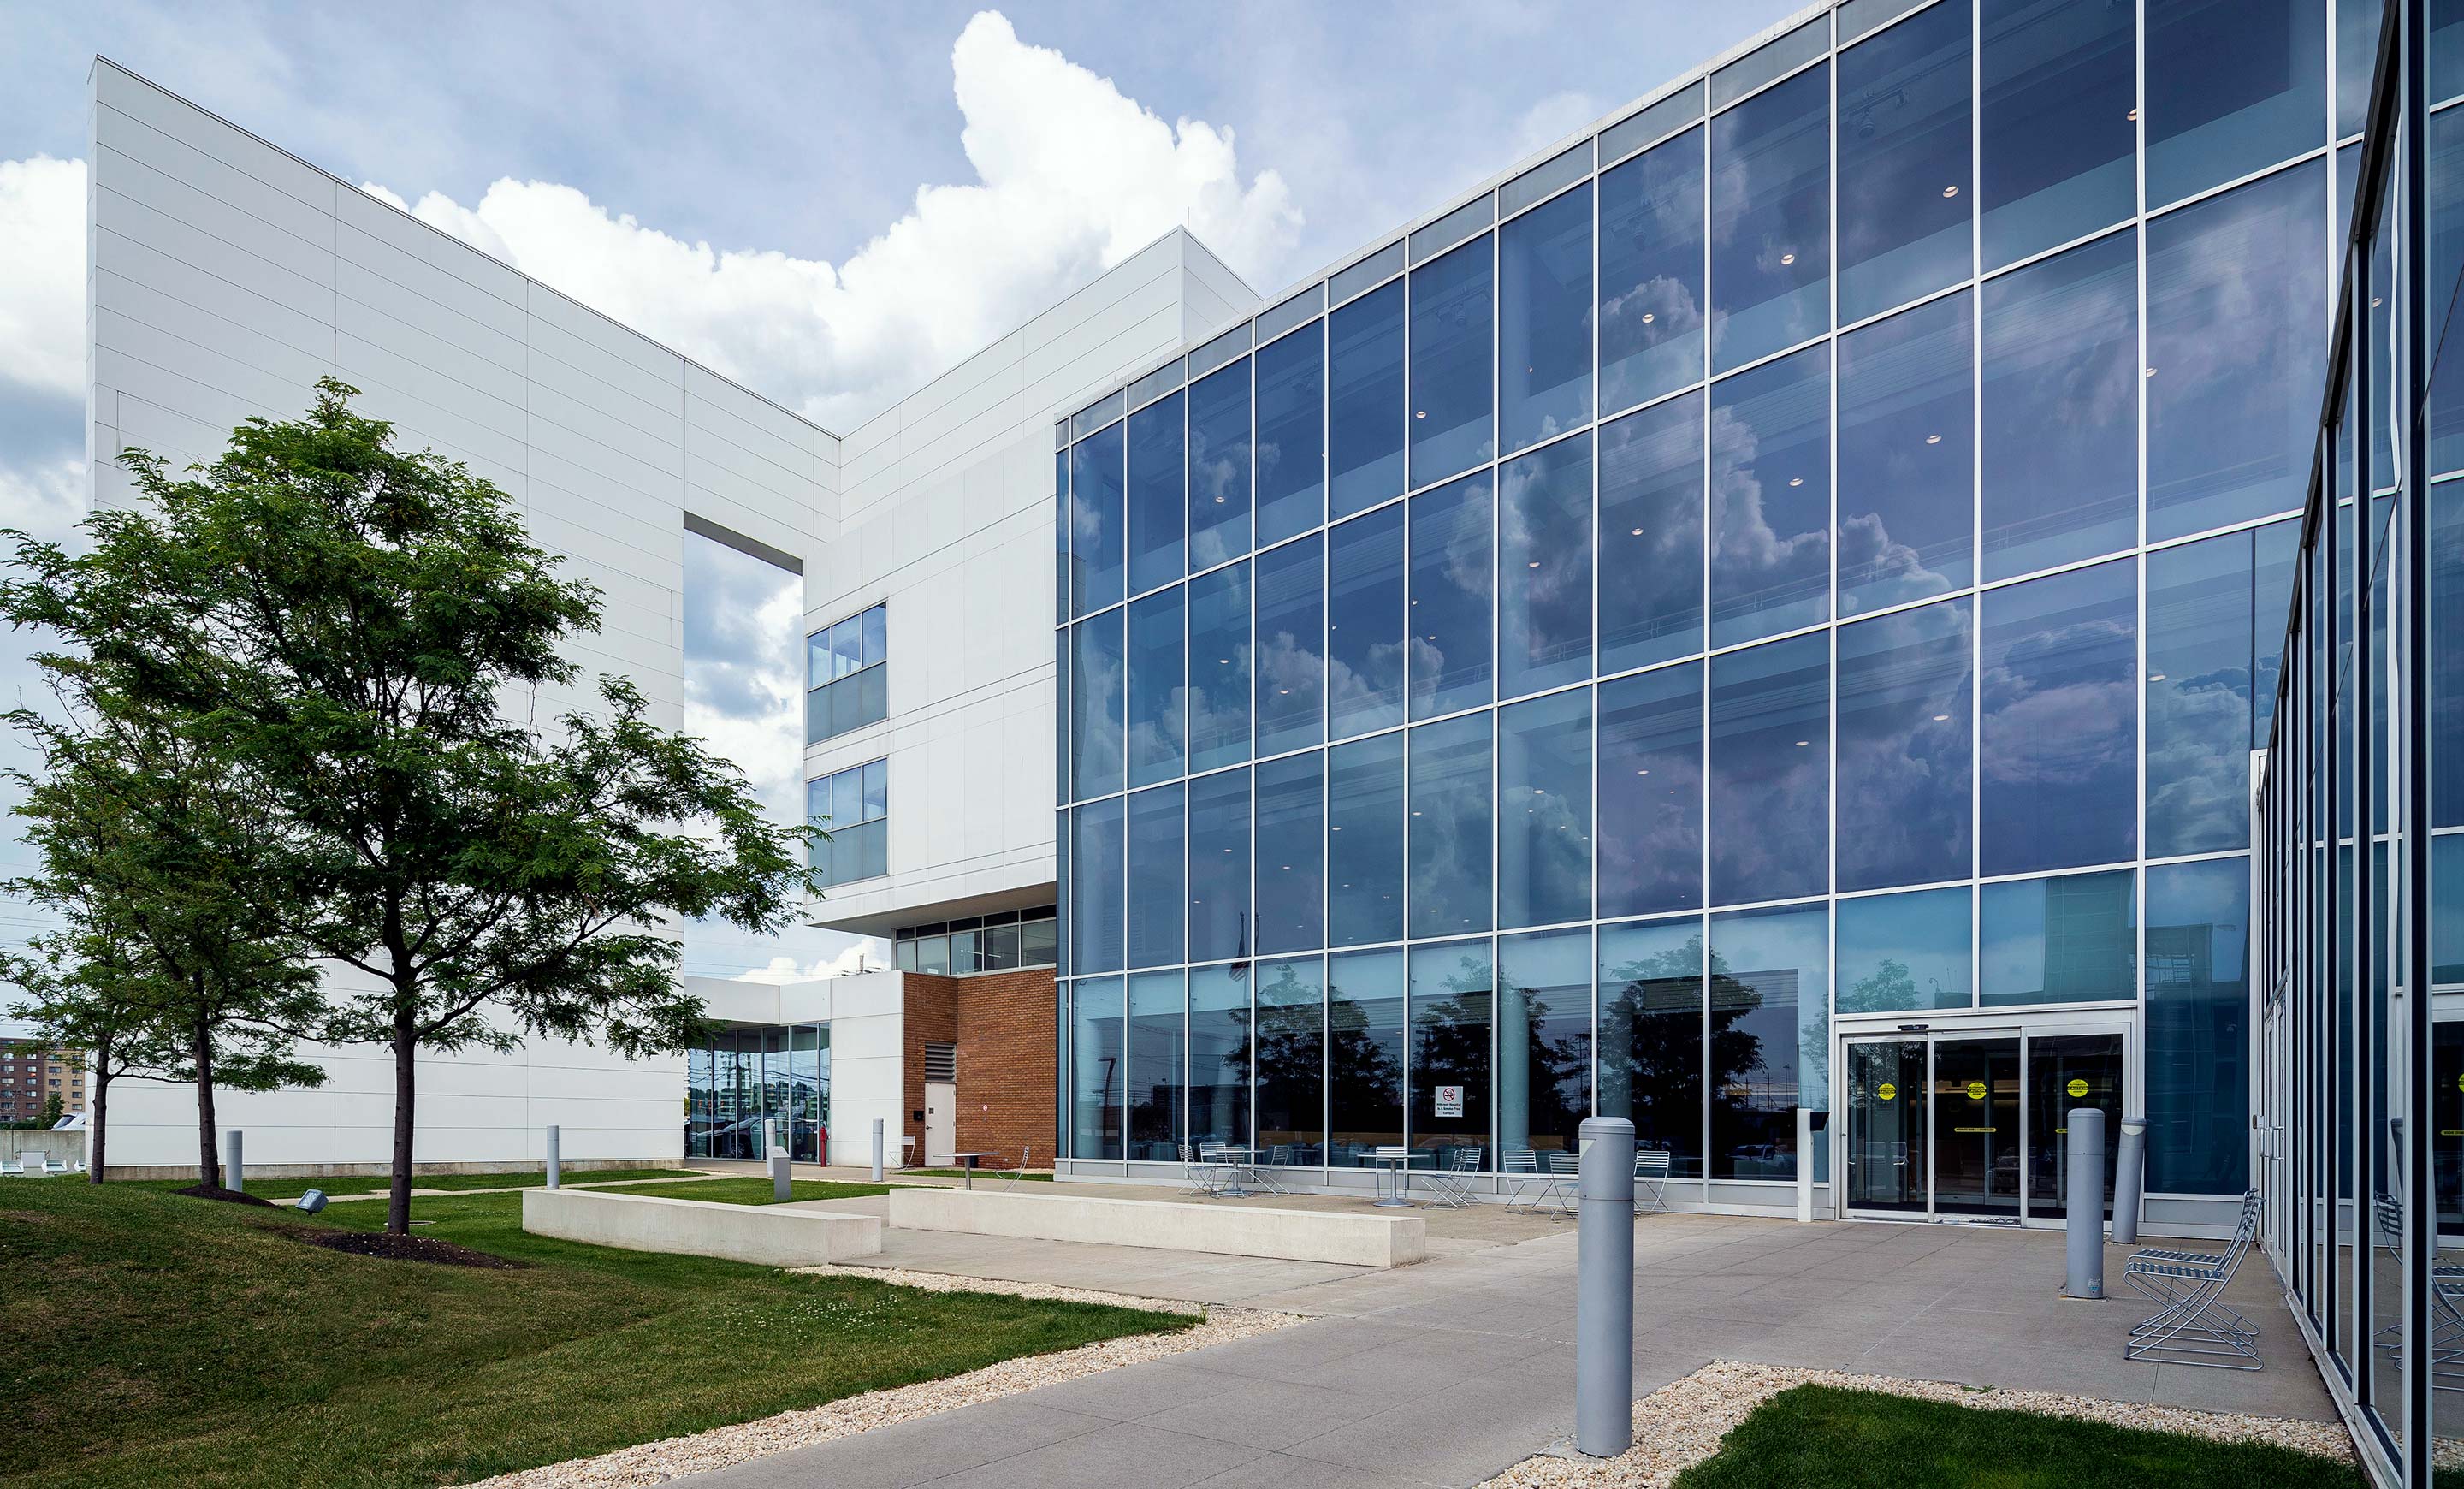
[(1976, 1090), (2077, 1086), (1886, 1090)]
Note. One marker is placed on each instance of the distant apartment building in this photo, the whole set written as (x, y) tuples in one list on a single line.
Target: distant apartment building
[(32, 1073)]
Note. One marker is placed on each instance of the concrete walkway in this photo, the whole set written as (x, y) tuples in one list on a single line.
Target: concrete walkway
[(1446, 1372)]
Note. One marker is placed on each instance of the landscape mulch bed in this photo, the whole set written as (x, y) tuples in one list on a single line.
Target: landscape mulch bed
[(406, 1248), (227, 1197)]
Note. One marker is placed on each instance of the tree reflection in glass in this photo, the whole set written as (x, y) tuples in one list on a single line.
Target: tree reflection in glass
[(1364, 1037), (1288, 1057), (1451, 996)]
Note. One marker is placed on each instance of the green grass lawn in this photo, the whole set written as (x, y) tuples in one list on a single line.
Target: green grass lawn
[(1861, 1439), (152, 1339), (751, 1192), (378, 1184)]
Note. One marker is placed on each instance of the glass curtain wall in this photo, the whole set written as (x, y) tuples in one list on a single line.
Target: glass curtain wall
[(2358, 951), (737, 1080), (1737, 573)]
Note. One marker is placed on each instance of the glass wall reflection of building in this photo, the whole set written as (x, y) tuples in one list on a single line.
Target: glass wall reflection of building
[(742, 1078), (1804, 560)]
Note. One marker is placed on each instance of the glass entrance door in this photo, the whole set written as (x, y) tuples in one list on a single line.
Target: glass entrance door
[(2066, 1072), (1977, 1128), (1886, 1127)]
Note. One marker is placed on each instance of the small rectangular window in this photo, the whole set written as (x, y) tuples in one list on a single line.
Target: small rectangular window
[(845, 675), (852, 806)]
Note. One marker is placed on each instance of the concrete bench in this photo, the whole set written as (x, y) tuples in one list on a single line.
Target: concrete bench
[(766, 1236), (1238, 1231)]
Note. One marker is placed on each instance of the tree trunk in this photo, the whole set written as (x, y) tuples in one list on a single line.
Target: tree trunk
[(100, 1120), (209, 1168), (405, 1095)]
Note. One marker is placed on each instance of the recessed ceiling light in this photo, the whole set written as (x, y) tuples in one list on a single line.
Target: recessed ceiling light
[(1942, 717), (1933, 439), (2155, 676), (1419, 413), (1647, 318), (1643, 772), (1534, 564), (1638, 532), (1788, 258), (1797, 481), (1801, 743), (2152, 372), (2133, 114), (1950, 191)]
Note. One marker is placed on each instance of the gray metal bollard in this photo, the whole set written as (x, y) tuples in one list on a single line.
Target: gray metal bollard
[(2085, 1219), (779, 1176), (876, 1150), (234, 1178), (2129, 1178), (555, 1160), (1604, 1290)]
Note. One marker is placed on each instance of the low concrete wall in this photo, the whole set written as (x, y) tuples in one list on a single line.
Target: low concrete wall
[(1238, 1230), (766, 1236), (67, 1147)]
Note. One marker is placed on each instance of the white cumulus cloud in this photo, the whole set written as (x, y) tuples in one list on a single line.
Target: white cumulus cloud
[(42, 275), (1072, 178)]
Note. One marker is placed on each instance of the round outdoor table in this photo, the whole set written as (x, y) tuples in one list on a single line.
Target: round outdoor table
[(1243, 1160), (1400, 1166)]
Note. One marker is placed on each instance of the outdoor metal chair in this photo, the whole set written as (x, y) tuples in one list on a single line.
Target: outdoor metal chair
[(1520, 1168), (2193, 1326), (1024, 1156), (2446, 1287), (1450, 1186), (1565, 1175), (1229, 1166), (1651, 1178)]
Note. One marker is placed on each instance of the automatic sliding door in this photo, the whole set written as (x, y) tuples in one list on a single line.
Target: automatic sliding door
[(1975, 1119), (1886, 1127), (2066, 1072)]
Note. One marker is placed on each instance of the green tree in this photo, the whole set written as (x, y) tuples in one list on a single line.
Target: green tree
[(90, 989), (163, 864), (372, 635), (53, 1110)]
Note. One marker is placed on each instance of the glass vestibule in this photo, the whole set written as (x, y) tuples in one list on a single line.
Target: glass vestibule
[(743, 1078), (1973, 1124)]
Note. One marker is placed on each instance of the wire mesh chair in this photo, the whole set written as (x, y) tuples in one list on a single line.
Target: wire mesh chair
[(2193, 1326), (1651, 1175), (1450, 1186)]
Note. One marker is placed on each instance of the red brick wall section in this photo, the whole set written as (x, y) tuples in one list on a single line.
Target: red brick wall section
[(1002, 1023)]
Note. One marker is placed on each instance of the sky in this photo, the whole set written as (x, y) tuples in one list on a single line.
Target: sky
[(829, 203)]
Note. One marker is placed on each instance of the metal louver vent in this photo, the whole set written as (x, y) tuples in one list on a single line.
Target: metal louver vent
[(940, 1060)]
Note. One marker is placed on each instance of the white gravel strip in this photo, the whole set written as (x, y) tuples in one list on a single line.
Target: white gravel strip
[(1683, 1422), (675, 1458)]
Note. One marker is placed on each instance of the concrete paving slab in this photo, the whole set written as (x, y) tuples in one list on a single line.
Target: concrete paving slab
[(915, 1453), (1118, 1452), (1445, 1373), (1283, 1471)]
